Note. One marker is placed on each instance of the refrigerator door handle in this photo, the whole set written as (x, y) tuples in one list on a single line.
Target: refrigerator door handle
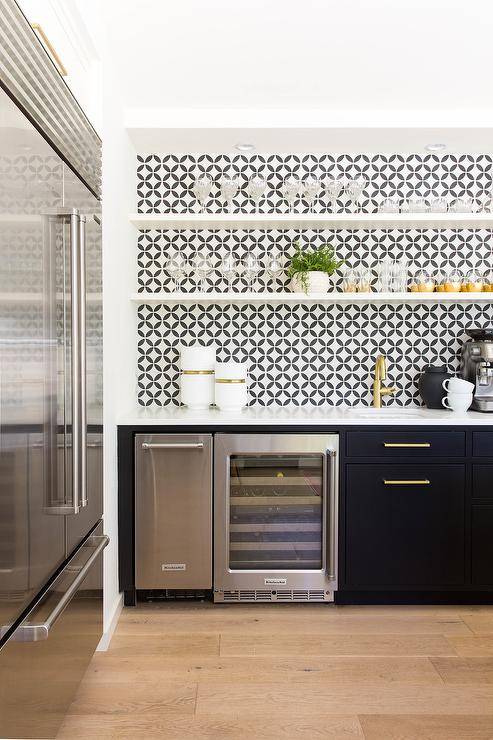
[(75, 360), (83, 498), (41, 631)]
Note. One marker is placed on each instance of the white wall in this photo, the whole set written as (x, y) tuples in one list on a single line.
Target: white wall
[(119, 270), (119, 278)]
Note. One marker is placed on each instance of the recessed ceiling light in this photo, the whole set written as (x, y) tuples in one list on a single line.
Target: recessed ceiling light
[(435, 147), (244, 147)]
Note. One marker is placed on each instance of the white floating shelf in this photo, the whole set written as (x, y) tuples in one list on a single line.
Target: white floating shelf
[(276, 298), (312, 221)]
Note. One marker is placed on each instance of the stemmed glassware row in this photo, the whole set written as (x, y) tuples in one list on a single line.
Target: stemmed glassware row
[(293, 189), (202, 265)]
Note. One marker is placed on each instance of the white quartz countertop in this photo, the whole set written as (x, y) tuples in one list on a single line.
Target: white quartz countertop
[(303, 415)]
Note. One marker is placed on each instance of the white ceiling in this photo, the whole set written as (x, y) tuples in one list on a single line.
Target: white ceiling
[(293, 67)]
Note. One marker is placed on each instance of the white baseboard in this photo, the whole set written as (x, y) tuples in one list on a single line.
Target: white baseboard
[(105, 640)]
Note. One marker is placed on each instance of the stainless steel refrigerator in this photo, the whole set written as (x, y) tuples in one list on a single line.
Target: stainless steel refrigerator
[(51, 533)]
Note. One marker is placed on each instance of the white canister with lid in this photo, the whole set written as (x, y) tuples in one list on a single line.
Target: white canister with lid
[(197, 376), (230, 382)]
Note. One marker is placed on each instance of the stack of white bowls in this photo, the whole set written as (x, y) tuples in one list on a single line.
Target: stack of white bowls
[(459, 394), (231, 386), (197, 376)]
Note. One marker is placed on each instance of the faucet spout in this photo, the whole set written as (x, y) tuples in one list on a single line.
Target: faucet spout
[(380, 375)]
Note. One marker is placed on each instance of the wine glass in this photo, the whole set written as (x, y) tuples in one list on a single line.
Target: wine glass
[(334, 188), (354, 190), (229, 270), (290, 190), (255, 188), (251, 268), (202, 189), (274, 267), (230, 184), (311, 187), (202, 266), (176, 267)]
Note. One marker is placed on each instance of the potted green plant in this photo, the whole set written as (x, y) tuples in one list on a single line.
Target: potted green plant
[(310, 269)]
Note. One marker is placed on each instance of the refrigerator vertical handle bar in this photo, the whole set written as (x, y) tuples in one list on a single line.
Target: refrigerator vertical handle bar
[(331, 523), (82, 363), (75, 359)]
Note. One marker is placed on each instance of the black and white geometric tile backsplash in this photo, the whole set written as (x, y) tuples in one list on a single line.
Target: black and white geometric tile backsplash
[(298, 354)]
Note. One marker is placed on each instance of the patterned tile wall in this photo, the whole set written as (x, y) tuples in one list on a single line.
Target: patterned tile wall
[(298, 354)]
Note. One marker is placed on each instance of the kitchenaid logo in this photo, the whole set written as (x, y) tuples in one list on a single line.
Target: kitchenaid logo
[(173, 566), (275, 581)]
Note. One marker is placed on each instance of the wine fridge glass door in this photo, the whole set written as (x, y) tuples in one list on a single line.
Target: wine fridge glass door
[(276, 511)]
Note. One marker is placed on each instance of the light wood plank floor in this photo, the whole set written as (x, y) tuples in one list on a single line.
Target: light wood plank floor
[(236, 672)]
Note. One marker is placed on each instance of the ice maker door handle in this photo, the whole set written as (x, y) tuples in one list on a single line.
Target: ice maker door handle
[(173, 446)]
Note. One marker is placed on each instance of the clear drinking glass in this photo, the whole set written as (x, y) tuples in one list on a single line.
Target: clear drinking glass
[(439, 205), (363, 279), (202, 266), (422, 282), (398, 279), (274, 267), (462, 205), (488, 281), (290, 190), (354, 190), (201, 188), (389, 205), (384, 275), (176, 267), (230, 184), (255, 189), (453, 281), (349, 280), (251, 269), (311, 187), (334, 187), (473, 281), (229, 270), (418, 205)]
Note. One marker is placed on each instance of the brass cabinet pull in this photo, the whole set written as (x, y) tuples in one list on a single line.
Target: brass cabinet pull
[(424, 482), (51, 49), (407, 444)]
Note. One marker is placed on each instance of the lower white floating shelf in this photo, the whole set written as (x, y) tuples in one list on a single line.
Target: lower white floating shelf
[(334, 297)]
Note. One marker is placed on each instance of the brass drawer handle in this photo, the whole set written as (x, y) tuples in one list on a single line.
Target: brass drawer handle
[(424, 482), (50, 48), (407, 444)]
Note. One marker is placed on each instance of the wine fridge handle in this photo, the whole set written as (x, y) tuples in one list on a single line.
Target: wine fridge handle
[(331, 522)]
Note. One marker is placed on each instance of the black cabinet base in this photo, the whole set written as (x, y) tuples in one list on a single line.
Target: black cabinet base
[(129, 597), (413, 597)]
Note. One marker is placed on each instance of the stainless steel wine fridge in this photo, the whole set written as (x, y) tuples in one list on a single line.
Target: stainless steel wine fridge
[(275, 515)]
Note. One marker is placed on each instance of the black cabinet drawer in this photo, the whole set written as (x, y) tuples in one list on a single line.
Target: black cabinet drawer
[(482, 545), (410, 443), (482, 444), (482, 481), (405, 526)]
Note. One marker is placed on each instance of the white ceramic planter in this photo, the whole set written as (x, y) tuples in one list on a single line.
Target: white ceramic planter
[(231, 386), (197, 376), (316, 282)]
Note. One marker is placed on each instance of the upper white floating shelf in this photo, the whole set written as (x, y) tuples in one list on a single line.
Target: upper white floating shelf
[(312, 220), (334, 297)]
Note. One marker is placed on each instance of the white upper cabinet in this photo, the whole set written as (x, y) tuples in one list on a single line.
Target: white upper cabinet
[(62, 30)]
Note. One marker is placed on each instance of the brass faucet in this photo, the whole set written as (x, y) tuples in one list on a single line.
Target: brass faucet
[(380, 374)]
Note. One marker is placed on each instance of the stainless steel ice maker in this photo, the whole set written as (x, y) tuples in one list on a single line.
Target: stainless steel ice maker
[(173, 511)]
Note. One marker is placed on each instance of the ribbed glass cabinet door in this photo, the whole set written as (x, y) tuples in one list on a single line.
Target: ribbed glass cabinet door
[(276, 511)]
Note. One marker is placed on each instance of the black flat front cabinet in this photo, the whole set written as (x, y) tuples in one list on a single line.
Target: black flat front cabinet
[(403, 532)]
